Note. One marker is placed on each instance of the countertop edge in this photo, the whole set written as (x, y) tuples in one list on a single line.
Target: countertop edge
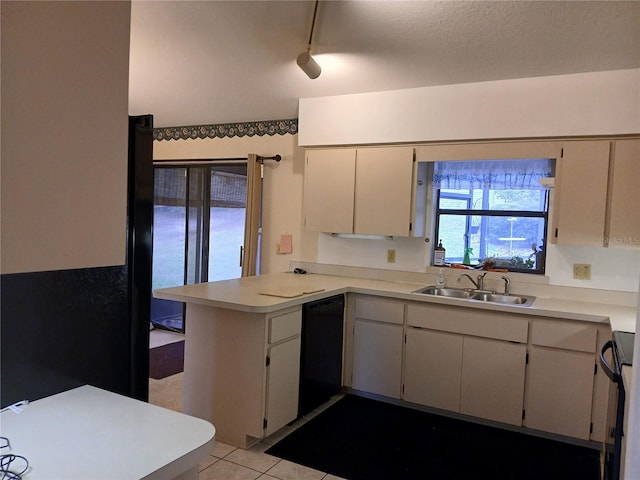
[(243, 295)]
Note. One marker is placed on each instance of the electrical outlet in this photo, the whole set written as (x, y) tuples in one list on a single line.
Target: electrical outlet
[(582, 271), (391, 256)]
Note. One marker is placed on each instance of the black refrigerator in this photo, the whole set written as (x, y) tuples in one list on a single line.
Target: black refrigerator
[(66, 328)]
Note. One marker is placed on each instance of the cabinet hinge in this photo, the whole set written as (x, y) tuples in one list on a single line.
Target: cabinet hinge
[(268, 362), (523, 414), (264, 423)]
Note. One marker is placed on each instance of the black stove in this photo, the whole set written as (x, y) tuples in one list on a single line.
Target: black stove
[(621, 345), (623, 342)]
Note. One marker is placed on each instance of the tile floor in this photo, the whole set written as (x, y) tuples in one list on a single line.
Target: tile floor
[(230, 463), (227, 462)]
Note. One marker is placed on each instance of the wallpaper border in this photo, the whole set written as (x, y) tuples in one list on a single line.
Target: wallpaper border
[(221, 130)]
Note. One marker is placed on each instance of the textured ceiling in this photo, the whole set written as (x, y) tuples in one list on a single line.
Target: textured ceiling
[(209, 62)]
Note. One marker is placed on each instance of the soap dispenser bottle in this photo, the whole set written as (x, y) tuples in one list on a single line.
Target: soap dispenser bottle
[(440, 281)]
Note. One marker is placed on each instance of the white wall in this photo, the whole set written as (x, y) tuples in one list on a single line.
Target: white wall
[(594, 103), (611, 268), (65, 76), (282, 188)]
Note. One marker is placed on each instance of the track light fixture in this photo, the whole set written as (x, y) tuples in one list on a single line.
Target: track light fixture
[(305, 61)]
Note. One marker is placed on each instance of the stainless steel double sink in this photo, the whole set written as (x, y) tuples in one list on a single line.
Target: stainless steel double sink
[(481, 296)]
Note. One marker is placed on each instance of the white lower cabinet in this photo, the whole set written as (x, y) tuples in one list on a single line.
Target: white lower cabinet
[(559, 391), (522, 370), (283, 369), (282, 384), (433, 368), (378, 329), (475, 376), (377, 358), (492, 385), (560, 377)]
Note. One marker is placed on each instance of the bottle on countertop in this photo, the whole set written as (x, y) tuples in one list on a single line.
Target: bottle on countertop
[(467, 256), (439, 255), (440, 281)]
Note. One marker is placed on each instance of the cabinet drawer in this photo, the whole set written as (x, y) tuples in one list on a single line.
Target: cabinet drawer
[(381, 310), (467, 321), (567, 335), (285, 325)]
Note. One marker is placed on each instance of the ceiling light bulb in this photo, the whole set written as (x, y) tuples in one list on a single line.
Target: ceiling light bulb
[(308, 65)]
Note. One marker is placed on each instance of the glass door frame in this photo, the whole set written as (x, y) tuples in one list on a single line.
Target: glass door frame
[(200, 271)]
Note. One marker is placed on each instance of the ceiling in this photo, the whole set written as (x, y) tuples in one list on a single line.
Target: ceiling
[(210, 62)]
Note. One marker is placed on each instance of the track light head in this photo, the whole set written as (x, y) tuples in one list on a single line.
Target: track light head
[(305, 61), (308, 65)]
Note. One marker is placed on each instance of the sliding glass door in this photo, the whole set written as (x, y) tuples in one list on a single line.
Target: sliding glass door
[(198, 229)]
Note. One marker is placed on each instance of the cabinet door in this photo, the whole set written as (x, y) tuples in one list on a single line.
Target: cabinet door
[(624, 220), (283, 375), (581, 193), (492, 384), (377, 358), (329, 180), (384, 191), (559, 391), (432, 370)]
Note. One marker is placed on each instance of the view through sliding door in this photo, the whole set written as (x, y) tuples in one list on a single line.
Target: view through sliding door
[(198, 229)]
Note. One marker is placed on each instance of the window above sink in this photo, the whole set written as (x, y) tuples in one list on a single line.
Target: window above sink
[(493, 212)]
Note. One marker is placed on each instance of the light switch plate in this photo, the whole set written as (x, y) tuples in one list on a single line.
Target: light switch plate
[(582, 271)]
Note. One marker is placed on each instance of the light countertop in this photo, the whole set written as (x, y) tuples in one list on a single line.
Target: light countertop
[(246, 294), (88, 433)]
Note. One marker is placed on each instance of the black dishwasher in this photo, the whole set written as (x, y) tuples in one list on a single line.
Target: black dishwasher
[(321, 352)]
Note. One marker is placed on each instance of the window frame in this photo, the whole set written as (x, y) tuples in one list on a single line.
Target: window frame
[(493, 213)]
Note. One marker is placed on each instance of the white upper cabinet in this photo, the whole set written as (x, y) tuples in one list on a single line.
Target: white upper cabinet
[(581, 194), (624, 217), (329, 182), (364, 191), (598, 194), (384, 191)]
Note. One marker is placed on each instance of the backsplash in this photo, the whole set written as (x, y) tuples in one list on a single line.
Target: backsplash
[(521, 283), (611, 269)]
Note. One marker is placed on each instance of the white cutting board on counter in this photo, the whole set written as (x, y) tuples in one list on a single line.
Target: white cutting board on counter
[(289, 292)]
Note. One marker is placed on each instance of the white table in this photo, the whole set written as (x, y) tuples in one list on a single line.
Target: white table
[(88, 433)]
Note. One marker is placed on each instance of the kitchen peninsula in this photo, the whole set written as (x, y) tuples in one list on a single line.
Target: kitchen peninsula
[(243, 342)]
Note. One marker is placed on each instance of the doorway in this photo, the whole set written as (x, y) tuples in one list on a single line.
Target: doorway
[(198, 229)]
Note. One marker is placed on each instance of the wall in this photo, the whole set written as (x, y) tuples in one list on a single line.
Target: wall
[(65, 287), (65, 74), (593, 103), (282, 188)]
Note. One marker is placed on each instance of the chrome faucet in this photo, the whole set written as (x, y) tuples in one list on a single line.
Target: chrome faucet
[(479, 283), (507, 283)]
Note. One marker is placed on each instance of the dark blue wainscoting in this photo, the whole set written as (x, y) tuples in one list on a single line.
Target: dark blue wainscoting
[(63, 329)]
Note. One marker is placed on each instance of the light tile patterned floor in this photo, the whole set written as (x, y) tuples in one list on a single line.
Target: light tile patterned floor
[(230, 463)]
